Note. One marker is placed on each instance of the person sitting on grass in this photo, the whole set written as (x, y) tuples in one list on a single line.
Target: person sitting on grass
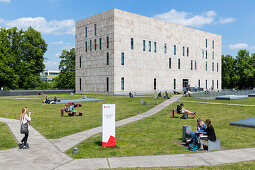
[(46, 100), (185, 112), (196, 136)]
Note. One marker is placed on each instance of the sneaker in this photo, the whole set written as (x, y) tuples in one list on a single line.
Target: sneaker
[(21, 145), (200, 149)]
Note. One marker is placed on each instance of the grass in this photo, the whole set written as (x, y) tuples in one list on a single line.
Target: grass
[(46, 118), (7, 140), (159, 134), (235, 166)]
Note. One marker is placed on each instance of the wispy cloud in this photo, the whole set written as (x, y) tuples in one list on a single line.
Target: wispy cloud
[(57, 43), (189, 19), (238, 46), (44, 26), (252, 48), (8, 1), (51, 65)]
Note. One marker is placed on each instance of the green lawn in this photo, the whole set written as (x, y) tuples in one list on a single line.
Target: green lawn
[(235, 166), (46, 118), (160, 134), (7, 140)]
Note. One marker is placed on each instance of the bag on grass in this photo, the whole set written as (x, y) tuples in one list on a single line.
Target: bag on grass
[(184, 116)]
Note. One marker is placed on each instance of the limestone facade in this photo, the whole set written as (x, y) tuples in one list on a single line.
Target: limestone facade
[(143, 54)]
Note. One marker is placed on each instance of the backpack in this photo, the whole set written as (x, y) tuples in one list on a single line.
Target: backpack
[(184, 116)]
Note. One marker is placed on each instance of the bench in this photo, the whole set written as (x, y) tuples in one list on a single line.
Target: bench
[(212, 145), (144, 102), (175, 111)]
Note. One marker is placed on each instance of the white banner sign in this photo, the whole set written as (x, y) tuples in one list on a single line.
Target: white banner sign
[(108, 135)]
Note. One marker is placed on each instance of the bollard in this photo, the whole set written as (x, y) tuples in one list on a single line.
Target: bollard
[(75, 151)]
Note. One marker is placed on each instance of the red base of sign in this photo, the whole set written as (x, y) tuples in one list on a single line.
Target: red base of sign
[(110, 143)]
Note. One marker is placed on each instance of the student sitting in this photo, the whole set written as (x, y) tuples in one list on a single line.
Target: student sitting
[(185, 112), (196, 136), (159, 95)]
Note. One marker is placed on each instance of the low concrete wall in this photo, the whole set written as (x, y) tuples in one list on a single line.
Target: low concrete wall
[(32, 92)]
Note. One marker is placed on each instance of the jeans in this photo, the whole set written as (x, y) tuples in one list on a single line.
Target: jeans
[(24, 140)]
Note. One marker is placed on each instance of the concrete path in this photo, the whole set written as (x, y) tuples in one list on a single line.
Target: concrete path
[(70, 141), (42, 154), (175, 160), (217, 103)]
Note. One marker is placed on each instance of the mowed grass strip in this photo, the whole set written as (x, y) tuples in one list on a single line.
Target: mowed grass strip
[(47, 120), (160, 134), (7, 140)]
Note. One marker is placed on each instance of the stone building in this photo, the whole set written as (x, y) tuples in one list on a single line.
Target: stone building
[(118, 52)]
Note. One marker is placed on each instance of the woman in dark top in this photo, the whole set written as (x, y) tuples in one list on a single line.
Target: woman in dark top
[(210, 130)]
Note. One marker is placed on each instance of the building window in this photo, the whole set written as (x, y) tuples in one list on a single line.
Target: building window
[(212, 84), (217, 84), (212, 44), (100, 43), (90, 45), (195, 64), (122, 83), (205, 84), (95, 29), (205, 43), (149, 46), (80, 84), (213, 55), (143, 45), (95, 44), (165, 48), (191, 64), (86, 32), (86, 46), (174, 49), (205, 54), (179, 63), (155, 84), (174, 83), (122, 58), (183, 51), (107, 84), (217, 67), (132, 43), (107, 42), (170, 63), (212, 66), (198, 83), (187, 51), (107, 58), (80, 61), (205, 66), (155, 47)]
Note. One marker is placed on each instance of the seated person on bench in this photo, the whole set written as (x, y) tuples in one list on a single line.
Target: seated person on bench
[(201, 127), (183, 111)]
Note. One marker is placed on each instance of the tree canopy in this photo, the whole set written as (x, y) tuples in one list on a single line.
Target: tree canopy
[(21, 56)]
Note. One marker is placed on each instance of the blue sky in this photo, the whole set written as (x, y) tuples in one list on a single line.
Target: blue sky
[(55, 19)]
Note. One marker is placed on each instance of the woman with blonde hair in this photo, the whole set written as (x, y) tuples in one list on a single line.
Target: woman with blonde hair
[(24, 119)]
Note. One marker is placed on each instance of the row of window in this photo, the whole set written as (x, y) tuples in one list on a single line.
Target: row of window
[(95, 31), (204, 54), (206, 43), (95, 44), (155, 84)]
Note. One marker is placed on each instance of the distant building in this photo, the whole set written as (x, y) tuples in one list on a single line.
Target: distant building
[(49, 75), (118, 52)]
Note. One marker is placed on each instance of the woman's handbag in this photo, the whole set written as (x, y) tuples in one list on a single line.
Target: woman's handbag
[(24, 128)]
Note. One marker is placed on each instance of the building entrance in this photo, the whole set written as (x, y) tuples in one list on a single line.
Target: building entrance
[(185, 83)]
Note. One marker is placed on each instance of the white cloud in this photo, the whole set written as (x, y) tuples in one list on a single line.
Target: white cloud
[(57, 42), (58, 54), (238, 46), (51, 65), (188, 19), (68, 47), (226, 20), (252, 48), (1, 20), (44, 26), (8, 1)]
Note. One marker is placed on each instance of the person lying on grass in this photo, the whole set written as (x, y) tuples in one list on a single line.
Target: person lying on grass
[(196, 136), (183, 111)]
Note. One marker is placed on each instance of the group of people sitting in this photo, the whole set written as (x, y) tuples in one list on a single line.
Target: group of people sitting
[(50, 101), (166, 95), (70, 109), (204, 131), (185, 112)]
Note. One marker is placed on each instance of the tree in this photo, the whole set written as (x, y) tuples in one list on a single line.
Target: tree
[(229, 76), (66, 78), (21, 55)]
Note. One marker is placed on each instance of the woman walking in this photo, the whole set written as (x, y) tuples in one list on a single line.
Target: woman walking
[(25, 121)]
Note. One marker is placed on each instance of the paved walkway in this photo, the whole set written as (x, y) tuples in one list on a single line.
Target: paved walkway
[(49, 154), (217, 103)]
